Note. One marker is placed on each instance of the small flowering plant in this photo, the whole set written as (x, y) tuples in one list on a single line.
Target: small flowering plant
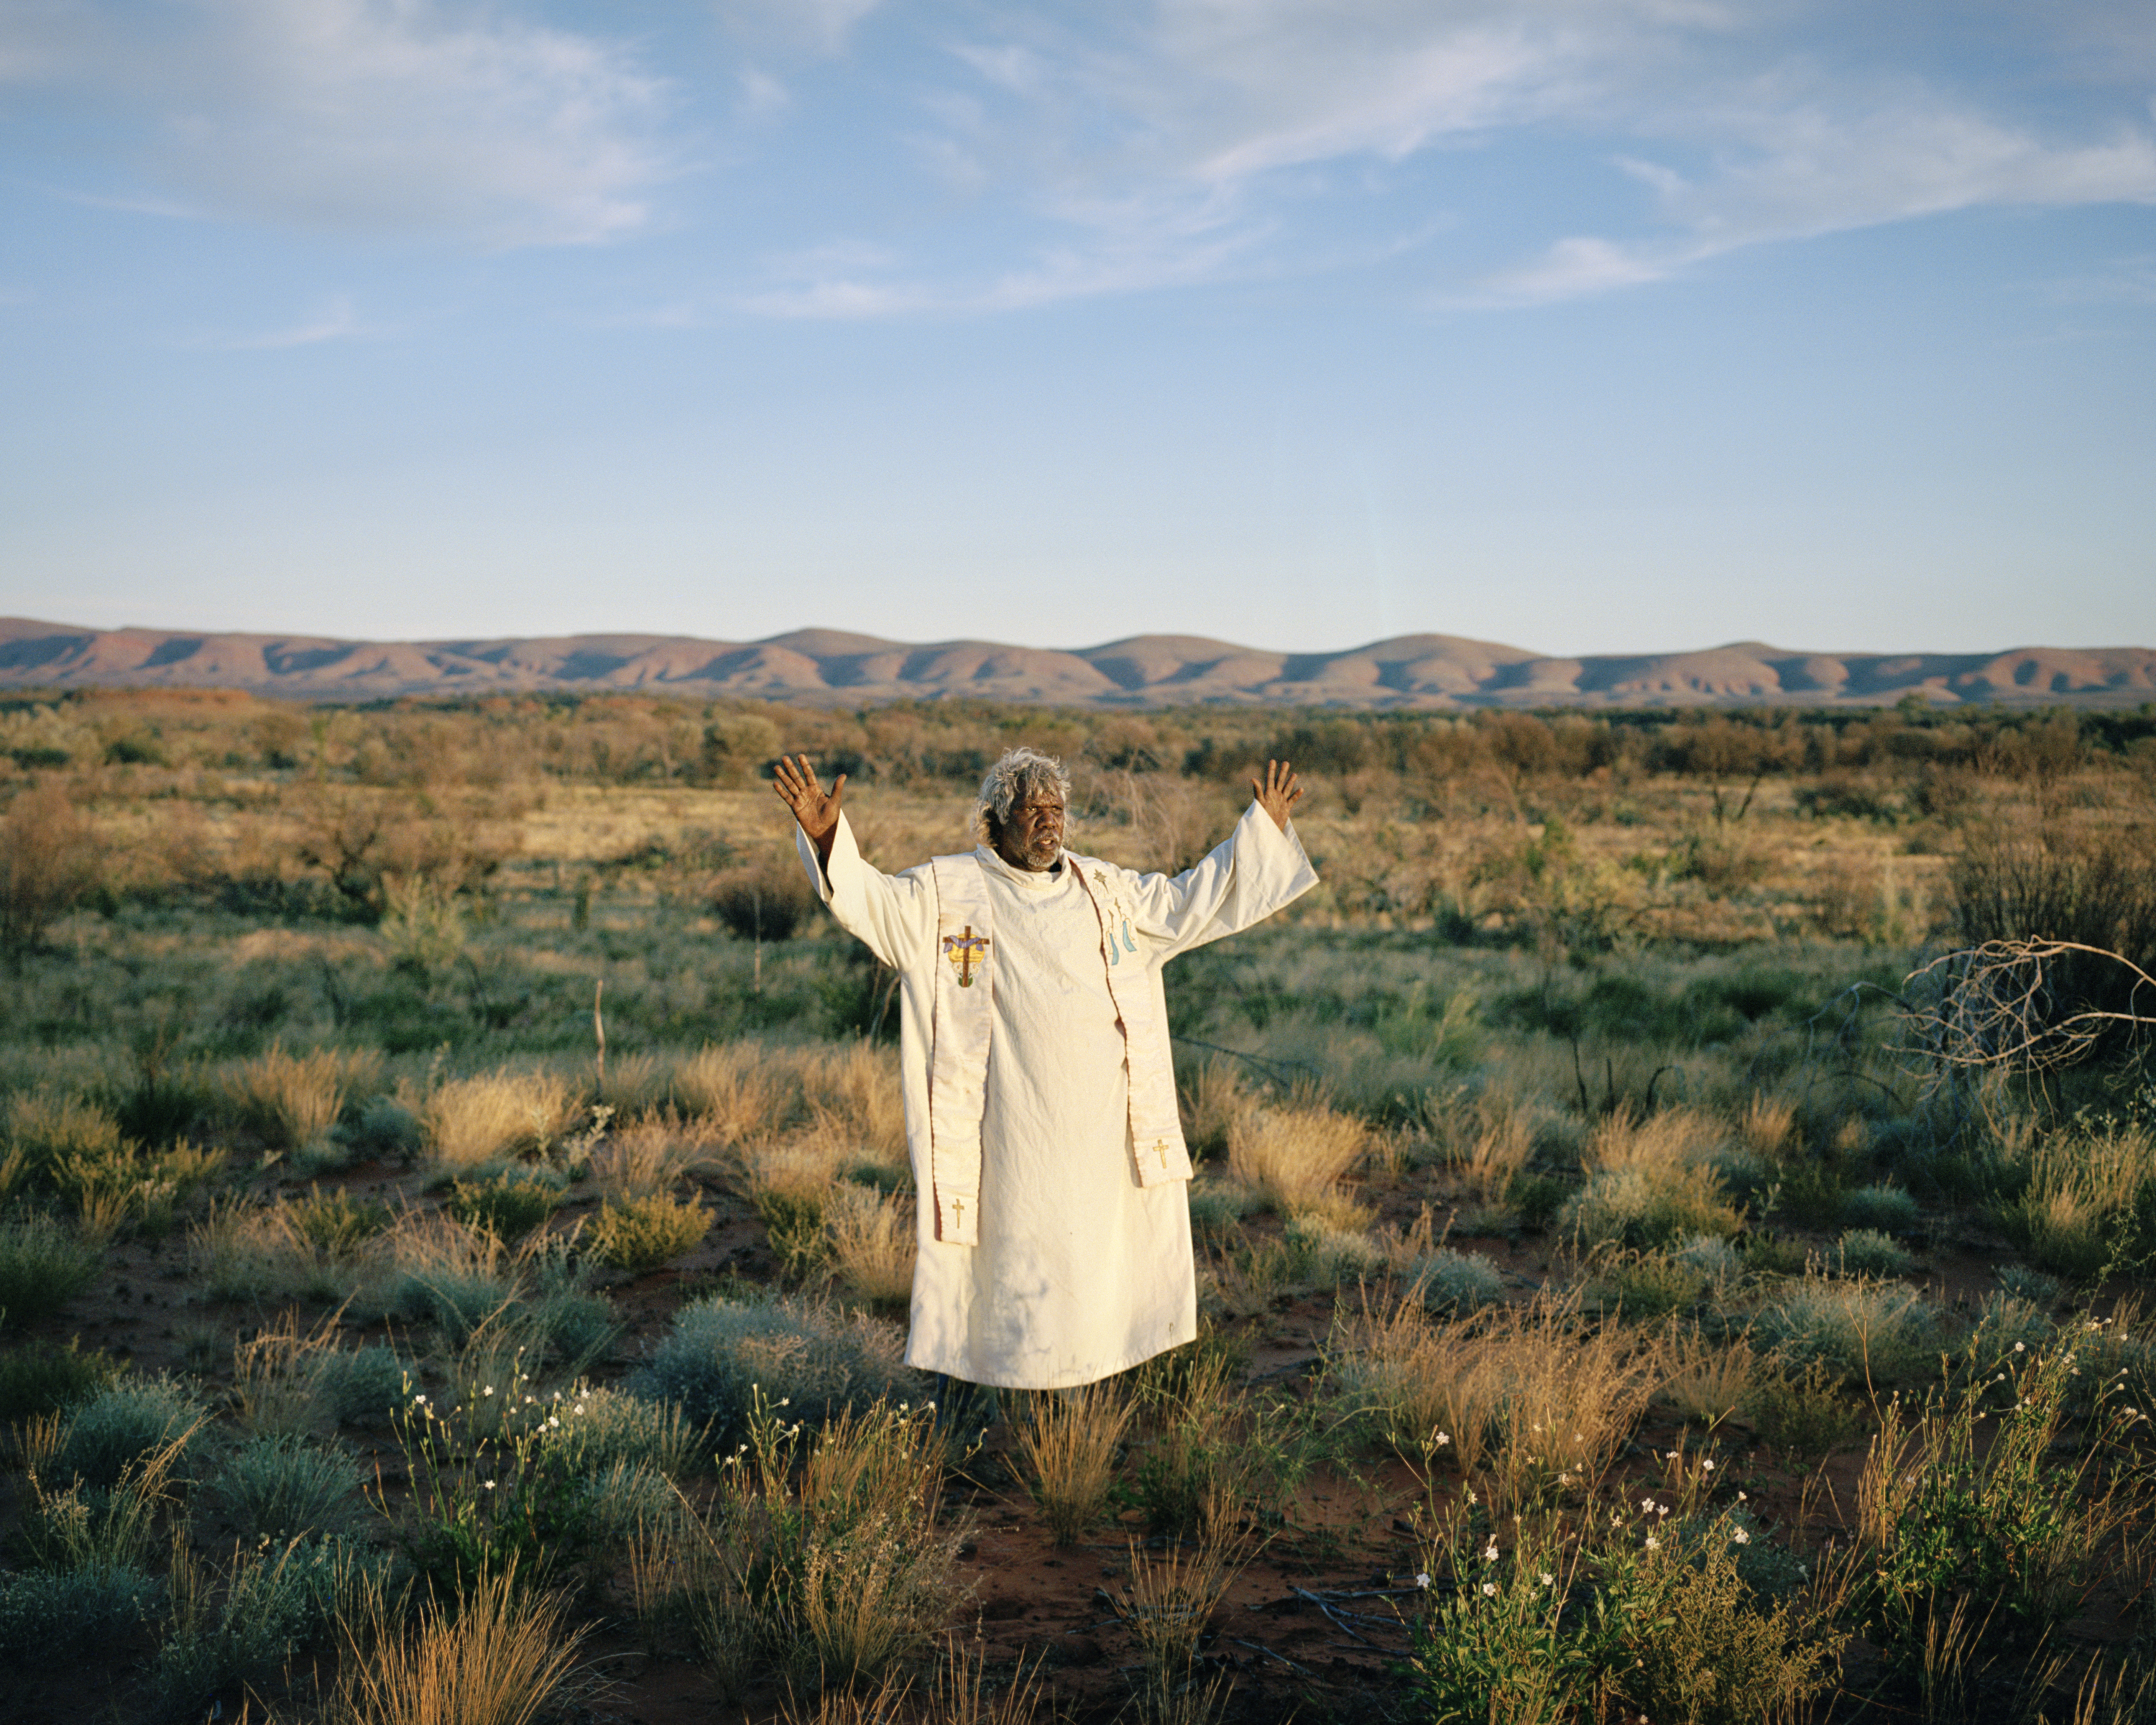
[(492, 1484)]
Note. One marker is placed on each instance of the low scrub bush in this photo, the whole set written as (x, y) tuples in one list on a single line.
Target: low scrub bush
[(1804, 1414), (244, 1628), (1331, 1254), (53, 1617), (1455, 1281), (510, 1205), (642, 1233), (337, 1223), (1645, 1207), (602, 1428), (1888, 1209), (1958, 1509), (291, 1101), (123, 1424), (1866, 1251), (38, 1377), (738, 1090), (44, 1264), (474, 1120), (1291, 1156), (281, 1488), (1876, 1332), (1626, 1617), (723, 1351), (1531, 1398)]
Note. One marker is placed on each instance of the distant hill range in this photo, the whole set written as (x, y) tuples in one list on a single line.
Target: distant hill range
[(826, 667)]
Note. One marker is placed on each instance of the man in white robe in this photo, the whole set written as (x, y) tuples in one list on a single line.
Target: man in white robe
[(1077, 1260)]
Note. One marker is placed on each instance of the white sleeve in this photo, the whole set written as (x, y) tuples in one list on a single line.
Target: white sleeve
[(1252, 873), (894, 914)]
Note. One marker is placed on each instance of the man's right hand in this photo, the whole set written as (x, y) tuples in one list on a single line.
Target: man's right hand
[(817, 811)]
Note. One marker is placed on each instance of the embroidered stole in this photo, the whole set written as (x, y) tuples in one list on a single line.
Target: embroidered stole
[(963, 1016)]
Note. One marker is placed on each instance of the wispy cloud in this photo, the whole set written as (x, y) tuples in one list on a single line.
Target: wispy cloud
[(335, 320), (1212, 128), (374, 115)]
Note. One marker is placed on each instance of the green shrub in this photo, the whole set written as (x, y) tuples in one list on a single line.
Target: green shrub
[(818, 1361), (385, 1130), (2019, 1282), (367, 1385), (1216, 1206), (51, 1617), (1865, 1252), (120, 1425), (338, 1222), (275, 1602), (641, 1234), (1456, 1281), (1713, 1260), (508, 1206), (1638, 1618), (42, 1265), (284, 1488), (1324, 1253), (1888, 1208), (602, 1428), (1875, 1332), (1641, 1210), (38, 1377), (1804, 1414)]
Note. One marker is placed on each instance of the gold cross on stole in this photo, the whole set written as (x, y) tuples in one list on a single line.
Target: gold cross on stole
[(966, 951)]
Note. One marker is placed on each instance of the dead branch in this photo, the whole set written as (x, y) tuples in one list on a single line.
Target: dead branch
[(1995, 1006)]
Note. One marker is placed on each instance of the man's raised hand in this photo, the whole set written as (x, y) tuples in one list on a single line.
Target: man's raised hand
[(818, 812), (1277, 793)]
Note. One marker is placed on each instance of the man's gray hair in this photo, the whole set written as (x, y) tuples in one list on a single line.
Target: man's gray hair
[(1020, 773)]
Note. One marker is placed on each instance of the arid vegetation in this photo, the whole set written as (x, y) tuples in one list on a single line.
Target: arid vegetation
[(1675, 1214)]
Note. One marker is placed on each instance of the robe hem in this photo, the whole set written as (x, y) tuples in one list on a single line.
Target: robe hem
[(1061, 1382)]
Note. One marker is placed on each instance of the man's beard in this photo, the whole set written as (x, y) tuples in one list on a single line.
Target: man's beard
[(1039, 851)]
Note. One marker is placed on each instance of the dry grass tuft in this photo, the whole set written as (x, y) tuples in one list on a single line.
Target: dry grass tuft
[(1669, 1139), (1708, 1381), (873, 1243), (1531, 1397), (739, 1091), (856, 1085), (651, 1155), (1296, 1156), (281, 1379), (1768, 1126), (474, 1120), (290, 1101), (497, 1657), (1169, 1598), (1069, 1446)]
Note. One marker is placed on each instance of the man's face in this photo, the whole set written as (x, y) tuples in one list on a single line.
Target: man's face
[(1032, 838)]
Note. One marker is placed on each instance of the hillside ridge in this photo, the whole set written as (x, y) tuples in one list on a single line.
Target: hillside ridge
[(833, 667)]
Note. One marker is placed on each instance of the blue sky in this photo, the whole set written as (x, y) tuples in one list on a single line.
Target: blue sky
[(1582, 324)]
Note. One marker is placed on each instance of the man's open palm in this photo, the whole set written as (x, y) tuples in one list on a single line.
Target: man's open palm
[(817, 810), (1277, 792)]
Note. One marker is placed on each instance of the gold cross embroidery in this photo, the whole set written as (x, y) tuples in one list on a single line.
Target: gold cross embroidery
[(966, 951), (957, 1214), (1160, 1149)]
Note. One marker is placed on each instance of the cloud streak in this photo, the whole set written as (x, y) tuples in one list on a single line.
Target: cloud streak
[(376, 115)]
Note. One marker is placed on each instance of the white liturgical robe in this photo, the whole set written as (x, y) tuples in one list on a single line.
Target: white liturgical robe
[(1079, 1270)]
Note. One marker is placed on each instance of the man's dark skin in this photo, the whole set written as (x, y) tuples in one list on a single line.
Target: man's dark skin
[(1031, 839)]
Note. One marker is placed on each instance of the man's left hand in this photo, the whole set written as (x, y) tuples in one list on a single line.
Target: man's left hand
[(1277, 793)]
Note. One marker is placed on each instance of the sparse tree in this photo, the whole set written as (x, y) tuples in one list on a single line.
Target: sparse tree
[(48, 861)]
